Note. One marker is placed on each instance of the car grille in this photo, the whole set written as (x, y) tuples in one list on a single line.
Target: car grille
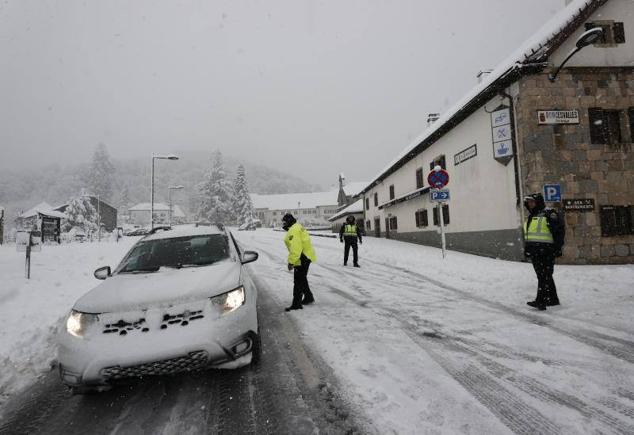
[(181, 319), (122, 327), (193, 361)]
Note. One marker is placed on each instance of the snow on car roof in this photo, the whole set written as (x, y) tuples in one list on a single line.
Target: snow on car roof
[(185, 231)]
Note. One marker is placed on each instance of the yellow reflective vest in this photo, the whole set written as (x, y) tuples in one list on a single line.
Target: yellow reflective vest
[(538, 230), (350, 230), (298, 242)]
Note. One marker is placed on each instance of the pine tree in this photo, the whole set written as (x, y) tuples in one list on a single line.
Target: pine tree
[(216, 199), (100, 177), (80, 213), (243, 207)]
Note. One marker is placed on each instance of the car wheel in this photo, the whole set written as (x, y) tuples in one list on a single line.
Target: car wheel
[(256, 350)]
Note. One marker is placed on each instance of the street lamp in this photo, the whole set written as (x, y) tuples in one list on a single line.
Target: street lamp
[(154, 157), (169, 200), (588, 37)]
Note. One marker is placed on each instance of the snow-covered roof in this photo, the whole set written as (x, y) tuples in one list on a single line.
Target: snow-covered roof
[(185, 231), (354, 208), (533, 51), (293, 201), (45, 209), (158, 206), (354, 188)]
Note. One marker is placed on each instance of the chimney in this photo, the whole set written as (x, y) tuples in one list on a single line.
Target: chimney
[(482, 74), (431, 118)]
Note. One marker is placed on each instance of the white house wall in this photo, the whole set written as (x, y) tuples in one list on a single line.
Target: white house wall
[(483, 199)]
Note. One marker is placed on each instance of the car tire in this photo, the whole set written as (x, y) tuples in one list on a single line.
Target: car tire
[(256, 351)]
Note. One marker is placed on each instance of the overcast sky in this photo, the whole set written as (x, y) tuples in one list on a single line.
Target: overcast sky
[(310, 87)]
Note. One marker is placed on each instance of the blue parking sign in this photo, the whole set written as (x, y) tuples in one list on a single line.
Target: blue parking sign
[(552, 192)]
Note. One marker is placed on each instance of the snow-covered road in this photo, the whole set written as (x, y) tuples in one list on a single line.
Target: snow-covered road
[(425, 345), (410, 343)]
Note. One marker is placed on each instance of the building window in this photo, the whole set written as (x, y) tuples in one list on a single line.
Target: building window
[(376, 199), (605, 126), (367, 225), (367, 203), (393, 223), (445, 215), (419, 178), (616, 220), (391, 192), (613, 32), (440, 160), (421, 218)]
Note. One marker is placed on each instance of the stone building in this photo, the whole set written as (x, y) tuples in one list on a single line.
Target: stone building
[(518, 132)]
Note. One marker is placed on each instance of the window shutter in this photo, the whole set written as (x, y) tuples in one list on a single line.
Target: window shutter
[(608, 220), (417, 218), (618, 33), (445, 214), (425, 220), (630, 115), (435, 216)]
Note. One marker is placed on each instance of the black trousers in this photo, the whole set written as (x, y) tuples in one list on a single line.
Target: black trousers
[(301, 289), (350, 242), (544, 266)]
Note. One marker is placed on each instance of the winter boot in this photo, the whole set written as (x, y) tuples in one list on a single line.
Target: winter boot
[(539, 305), (552, 302), (293, 307), (357, 265)]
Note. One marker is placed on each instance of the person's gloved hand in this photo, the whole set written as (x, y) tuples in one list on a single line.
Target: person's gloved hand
[(290, 266), (341, 240), (558, 252), (527, 254), (360, 242)]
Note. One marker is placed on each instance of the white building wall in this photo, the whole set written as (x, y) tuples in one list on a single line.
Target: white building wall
[(482, 190)]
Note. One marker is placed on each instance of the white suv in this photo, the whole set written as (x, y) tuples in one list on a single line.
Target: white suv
[(178, 301)]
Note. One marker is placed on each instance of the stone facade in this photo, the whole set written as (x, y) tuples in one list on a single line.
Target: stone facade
[(564, 154)]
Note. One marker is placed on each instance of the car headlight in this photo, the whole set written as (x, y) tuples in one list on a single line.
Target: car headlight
[(229, 301), (78, 322)]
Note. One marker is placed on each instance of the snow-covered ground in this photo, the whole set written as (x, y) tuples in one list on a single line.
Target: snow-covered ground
[(31, 310), (426, 345), (419, 344)]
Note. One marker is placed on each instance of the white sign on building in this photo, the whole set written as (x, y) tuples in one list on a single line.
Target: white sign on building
[(550, 117)]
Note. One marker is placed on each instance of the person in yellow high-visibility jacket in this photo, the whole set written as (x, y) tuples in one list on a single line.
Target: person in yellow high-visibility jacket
[(300, 255), (544, 233)]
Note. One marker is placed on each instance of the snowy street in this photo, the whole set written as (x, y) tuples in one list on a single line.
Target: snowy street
[(410, 343)]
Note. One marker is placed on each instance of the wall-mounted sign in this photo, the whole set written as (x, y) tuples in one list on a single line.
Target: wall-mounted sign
[(503, 149), (465, 154), (552, 192), (584, 204), (501, 117), (550, 117), (502, 135)]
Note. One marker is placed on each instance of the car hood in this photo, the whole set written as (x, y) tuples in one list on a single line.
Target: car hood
[(164, 288)]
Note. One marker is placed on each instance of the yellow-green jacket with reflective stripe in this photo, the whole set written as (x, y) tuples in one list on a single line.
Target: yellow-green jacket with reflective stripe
[(536, 229), (350, 230), (298, 242)]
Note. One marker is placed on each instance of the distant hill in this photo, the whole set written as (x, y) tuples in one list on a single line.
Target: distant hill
[(55, 184)]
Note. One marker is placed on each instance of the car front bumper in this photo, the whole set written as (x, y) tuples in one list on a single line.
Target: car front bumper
[(100, 358)]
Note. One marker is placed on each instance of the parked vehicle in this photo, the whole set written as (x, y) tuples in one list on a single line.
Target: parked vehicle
[(178, 301)]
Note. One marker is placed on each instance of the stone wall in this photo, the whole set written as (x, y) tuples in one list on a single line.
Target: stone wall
[(563, 154)]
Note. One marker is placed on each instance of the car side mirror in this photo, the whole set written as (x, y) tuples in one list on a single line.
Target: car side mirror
[(249, 257), (103, 272)]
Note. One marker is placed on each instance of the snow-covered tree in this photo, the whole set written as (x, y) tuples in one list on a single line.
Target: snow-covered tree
[(242, 205), (100, 177), (216, 198), (80, 214)]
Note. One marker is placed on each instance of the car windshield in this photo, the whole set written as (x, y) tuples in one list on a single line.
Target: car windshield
[(151, 255)]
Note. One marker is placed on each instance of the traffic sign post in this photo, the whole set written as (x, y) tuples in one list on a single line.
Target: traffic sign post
[(437, 179)]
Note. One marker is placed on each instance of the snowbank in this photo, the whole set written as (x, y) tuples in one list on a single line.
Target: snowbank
[(31, 310)]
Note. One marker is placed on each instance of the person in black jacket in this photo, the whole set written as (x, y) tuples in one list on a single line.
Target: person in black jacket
[(349, 234), (544, 233)]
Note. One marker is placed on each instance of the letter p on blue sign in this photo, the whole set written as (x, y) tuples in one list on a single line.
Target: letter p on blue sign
[(552, 192)]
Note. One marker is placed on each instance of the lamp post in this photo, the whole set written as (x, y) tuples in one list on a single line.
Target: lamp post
[(588, 37), (169, 201), (154, 157)]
